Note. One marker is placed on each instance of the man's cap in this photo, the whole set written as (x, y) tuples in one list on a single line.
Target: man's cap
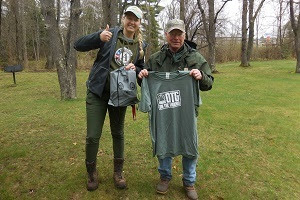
[(174, 24), (135, 10)]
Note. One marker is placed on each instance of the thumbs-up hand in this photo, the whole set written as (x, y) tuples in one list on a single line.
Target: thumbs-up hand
[(107, 27), (105, 35)]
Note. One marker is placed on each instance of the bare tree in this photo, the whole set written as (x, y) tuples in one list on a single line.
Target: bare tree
[(210, 29), (191, 19), (280, 39), (64, 57), (296, 30), (23, 25), (16, 11), (122, 5), (246, 49), (244, 61), (251, 26), (110, 12), (257, 28), (36, 35), (182, 10), (20, 34)]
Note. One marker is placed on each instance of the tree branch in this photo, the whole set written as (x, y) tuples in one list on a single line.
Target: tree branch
[(258, 9), (217, 13), (203, 16)]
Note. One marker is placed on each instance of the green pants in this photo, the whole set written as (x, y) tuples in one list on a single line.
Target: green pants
[(96, 109)]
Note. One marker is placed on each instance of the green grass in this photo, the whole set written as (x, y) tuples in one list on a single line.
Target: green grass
[(249, 135)]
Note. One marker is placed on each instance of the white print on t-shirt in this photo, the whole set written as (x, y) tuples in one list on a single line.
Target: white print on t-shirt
[(170, 99), (123, 56)]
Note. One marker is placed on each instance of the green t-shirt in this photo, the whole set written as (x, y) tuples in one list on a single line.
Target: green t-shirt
[(172, 100)]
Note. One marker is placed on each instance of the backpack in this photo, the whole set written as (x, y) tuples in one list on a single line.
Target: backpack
[(123, 90)]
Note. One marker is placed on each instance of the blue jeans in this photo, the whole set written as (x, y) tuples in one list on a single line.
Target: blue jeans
[(188, 165)]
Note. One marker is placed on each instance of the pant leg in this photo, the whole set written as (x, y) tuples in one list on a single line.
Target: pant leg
[(117, 118), (95, 114), (189, 170), (165, 168)]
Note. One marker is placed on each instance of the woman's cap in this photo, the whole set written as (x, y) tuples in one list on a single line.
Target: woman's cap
[(135, 10), (174, 24)]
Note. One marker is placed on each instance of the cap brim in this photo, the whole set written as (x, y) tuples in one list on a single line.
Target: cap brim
[(137, 15), (173, 28)]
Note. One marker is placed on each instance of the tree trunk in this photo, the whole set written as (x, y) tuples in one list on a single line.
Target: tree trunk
[(0, 18), (279, 35), (58, 9), (297, 47), (122, 5), (296, 30), (24, 41), (251, 30), (71, 55), (10, 44), (65, 65), (148, 30), (210, 30), (37, 38), (110, 13), (182, 10), (212, 36), (257, 27), (251, 27), (244, 62), (16, 11)]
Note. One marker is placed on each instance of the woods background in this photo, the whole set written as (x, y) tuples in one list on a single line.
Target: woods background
[(40, 34)]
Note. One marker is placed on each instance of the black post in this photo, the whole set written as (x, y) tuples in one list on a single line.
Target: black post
[(14, 77)]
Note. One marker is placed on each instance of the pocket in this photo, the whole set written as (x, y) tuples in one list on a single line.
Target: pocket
[(90, 97)]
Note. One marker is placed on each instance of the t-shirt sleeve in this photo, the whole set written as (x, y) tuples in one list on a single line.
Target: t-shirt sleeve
[(145, 103)]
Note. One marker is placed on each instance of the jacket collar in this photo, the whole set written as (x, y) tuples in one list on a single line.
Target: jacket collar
[(165, 52)]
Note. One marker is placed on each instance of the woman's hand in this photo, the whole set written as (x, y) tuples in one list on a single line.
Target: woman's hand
[(130, 66), (196, 74), (143, 73), (105, 34)]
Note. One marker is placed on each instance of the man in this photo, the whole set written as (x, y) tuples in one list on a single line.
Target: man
[(175, 134)]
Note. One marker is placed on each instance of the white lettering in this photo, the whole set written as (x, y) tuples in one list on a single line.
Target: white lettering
[(170, 99)]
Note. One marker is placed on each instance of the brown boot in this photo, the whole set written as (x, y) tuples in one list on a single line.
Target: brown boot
[(92, 181), (119, 180), (162, 186), (191, 192)]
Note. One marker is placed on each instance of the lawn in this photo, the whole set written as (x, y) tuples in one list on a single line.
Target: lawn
[(249, 135)]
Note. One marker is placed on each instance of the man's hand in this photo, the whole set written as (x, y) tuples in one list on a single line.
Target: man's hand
[(143, 73), (105, 35), (196, 74), (130, 66)]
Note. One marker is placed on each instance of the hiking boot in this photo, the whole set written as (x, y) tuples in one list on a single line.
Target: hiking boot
[(162, 186), (191, 192), (119, 180), (92, 180)]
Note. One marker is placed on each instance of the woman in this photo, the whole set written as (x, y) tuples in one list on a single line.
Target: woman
[(117, 47)]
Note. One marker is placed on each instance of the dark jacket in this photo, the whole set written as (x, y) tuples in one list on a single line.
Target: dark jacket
[(186, 57), (100, 70)]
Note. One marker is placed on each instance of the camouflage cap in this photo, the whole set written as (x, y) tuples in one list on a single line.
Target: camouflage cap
[(135, 10), (174, 24)]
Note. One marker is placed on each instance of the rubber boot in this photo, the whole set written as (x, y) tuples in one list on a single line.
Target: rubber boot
[(119, 180), (92, 181)]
